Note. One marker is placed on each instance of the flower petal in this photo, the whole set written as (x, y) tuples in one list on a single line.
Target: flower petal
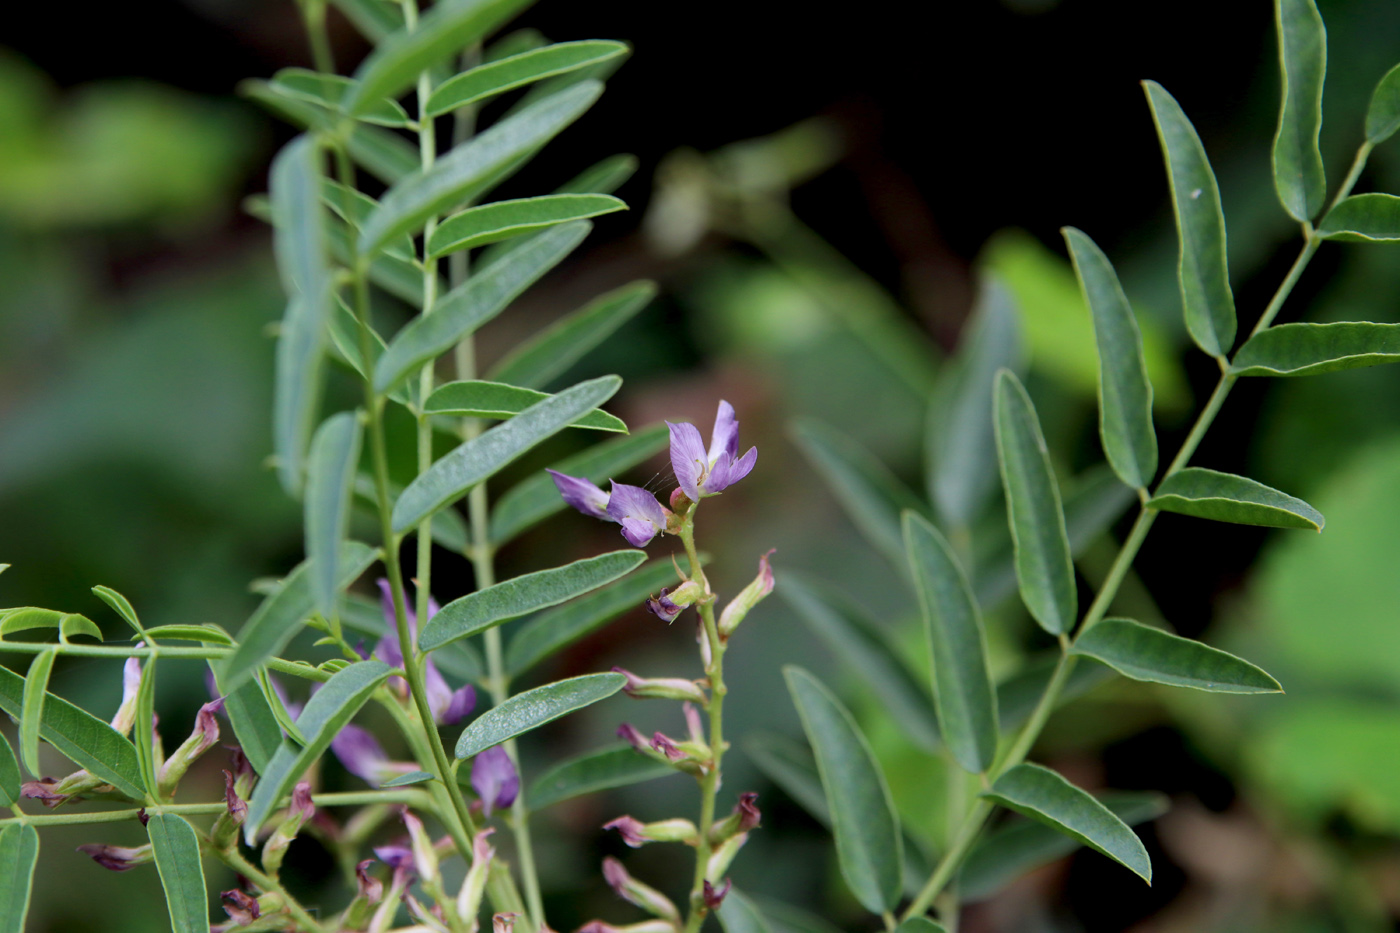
[(495, 779), (689, 460), (581, 494), (638, 533), (725, 440), (360, 753), (463, 702)]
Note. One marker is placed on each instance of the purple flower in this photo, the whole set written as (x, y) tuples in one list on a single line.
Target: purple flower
[(495, 779), (361, 754), (117, 858), (581, 494), (641, 516), (702, 472), (449, 706), (663, 608), (396, 856)]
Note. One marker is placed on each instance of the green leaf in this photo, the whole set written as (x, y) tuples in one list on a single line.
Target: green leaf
[(1363, 218), (960, 447), (479, 399), (1200, 226), (502, 220), (871, 495), (1302, 51), (548, 354), (790, 766), (1310, 349), (10, 778), (207, 634), (869, 847), (1021, 846), (413, 777), (1383, 115), (466, 171), (548, 632), (737, 914), (482, 297), (86, 740), (920, 925), (537, 498), (510, 599), (176, 848), (254, 722), (374, 19), (1125, 394), (859, 642), (962, 687), (120, 605), (330, 478), (533, 708), (354, 207), (506, 74), (300, 243), (1143, 653), (1043, 795), (329, 90), (480, 458), (326, 713), (1043, 566), (615, 766), (144, 727), (19, 850), (1225, 497), (36, 686), (30, 617), (281, 614), (72, 625), (788, 919), (443, 31), (603, 177)]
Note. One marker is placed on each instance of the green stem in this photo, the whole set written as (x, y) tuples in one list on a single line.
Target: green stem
[(233, 859), (113, 651)]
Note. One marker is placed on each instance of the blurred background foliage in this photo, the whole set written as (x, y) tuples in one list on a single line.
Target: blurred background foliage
[(822, 268)]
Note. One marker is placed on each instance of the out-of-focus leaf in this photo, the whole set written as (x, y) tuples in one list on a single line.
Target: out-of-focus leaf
[(36, 687), (962, 687), (254, 722), (330, 478), (478, 300), (1144, 653), (459, 659), (510, 599), (859, 642), (506, 74), (1383, 115), (1310, 349), (603, 177), (1043, 795), (1206, 299), (1125, 394), (1043, 565), (1302, 51), (786, 918), (9, 774), (792, 768), (502, 220), (480, 458), (549, 353), (869, 846), (207, 634), (328, 90), (465, 171), (1225, 497), (373, 18), (1363, 218), (19, 853), (354, 207), (920, 925), (872, 497), (176, 848), (1018, 695), (738, 914), (326, 713), (479, 399), (533, 708), (960, 444), (407, 780), (616, 766)]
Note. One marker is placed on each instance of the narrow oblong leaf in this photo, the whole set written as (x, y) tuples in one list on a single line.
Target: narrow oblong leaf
[(1044, 569), (603, 177), (10, 778), (406, 780), (19, 853), (738, 914), (326, 713), (480, 399), (482, 297), (1144, 653), (617, 766), (1310, 349), (465, 171), (26, 618), (869, 846), (279, 617), (1302, 52), (502, 220), (510, 599), (330, 479), (1225, 497), (36, 686), (83, 738), (533, 708), (858, 642), (1043, 795), (549, 354), (120, 605), (254, 722), (960, 446), (538, 638), (1206, 299), (535, 499), (205, 634), (329, 90), (480, 458), (73, 624), (1383, 114), (871, 495), (962, 686), (1125, 393), (506, 74), (1363, 218), (176, 848)]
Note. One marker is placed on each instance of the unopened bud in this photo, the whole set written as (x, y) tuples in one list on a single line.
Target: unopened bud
[(425, 858), (673, 600), (131, 686), (474, 885), (745, 817), (694, 726), (724, 854), (748, 597), (300, 811), (503, 923), (662, 688), (241, 908), (715, 897), (635, 892), (205, 734), (637, 834), (117, 858), (680, 502)]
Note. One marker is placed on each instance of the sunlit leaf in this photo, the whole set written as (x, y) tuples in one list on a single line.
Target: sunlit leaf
[(1225, 497), (533, 708), (176, 848), (1302, 50), (616, 766)]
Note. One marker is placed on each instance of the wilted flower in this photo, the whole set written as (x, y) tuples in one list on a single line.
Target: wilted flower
[(241, 908), (367, 886), (301, 810), (495, 779), (637, 834), (674, 599), (702, 472), (449, 706), (117, 858), (746, 816), (714, 897), (503, 923)]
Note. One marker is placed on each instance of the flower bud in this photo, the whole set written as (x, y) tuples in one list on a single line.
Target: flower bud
[(680, 502), (714, 898), (503, 923), (300, 811), (634, 892), (745, 817), (205, 734), (663, 688), (637, 834), (388, 909), (674, 599), (495, 779), (131, 686), (241, 908), (694, 726), (225, 829), (117, 858), (474, 884), (244, 777), (724, 854), (748, 597), (425, 859)]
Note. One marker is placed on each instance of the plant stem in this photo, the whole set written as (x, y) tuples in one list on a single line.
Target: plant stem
[(207, 652), (233, 859)]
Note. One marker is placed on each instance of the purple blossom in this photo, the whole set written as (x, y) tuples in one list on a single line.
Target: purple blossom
[(449, 706), (631, 830), (663, 608), (396, 856), (361, 754), (581, 494), (637, 511), (495, 779), (117, 858), (702, 472)]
